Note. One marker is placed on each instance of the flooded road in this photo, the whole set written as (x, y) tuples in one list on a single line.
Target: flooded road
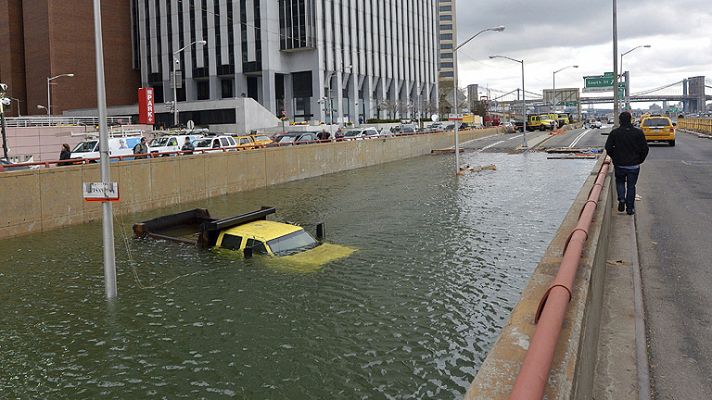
[(440, 264)]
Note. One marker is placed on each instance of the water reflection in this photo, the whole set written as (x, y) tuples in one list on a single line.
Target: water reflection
[(440, 265)]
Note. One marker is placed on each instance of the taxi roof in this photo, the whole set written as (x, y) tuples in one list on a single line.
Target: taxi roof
[(263, 230)]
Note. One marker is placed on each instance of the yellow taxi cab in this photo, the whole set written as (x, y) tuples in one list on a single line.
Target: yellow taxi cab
[(261, 140), (246, 234), (273, 238), (244, 142), (658, 128)]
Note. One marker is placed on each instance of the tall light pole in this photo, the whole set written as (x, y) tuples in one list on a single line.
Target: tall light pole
[(176, 61), (456, 103), (627, 98), (554, 82), (107, 211), (524, 101), (616, 109), (18, 105), (49, 93)]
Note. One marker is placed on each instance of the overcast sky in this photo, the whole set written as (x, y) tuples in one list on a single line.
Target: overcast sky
[(551, 34)]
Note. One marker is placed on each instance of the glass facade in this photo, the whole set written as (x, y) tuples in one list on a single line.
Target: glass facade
[(297, 24)]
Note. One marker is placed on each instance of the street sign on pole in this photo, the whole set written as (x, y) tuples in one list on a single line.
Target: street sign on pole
[(455, 117)]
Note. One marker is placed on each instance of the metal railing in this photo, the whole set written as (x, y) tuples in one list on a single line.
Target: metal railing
[(534, 373), (32, 121)]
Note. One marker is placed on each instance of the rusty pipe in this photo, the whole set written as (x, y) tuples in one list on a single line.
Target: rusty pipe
[(534, 373)]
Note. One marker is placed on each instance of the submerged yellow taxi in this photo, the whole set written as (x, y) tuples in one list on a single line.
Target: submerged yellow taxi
[(249, 234)]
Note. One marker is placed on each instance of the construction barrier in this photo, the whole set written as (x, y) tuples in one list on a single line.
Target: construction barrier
[(699, 125)]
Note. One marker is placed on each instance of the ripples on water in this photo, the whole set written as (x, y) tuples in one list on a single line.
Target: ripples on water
[(410, 315)]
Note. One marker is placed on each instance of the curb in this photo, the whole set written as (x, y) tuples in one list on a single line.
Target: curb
[(641, 344)]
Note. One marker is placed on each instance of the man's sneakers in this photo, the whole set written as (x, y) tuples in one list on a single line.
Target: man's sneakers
[(631, 211), (621, 206)]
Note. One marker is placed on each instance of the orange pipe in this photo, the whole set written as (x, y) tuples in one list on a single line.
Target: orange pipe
[(534, 374)]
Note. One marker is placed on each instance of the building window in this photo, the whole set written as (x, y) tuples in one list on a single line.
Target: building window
[(445, 8), (447, 74), (226, 88), (446, 46), (446, 27), (203, 90), (446, 18), (446, 36), (446, 65)]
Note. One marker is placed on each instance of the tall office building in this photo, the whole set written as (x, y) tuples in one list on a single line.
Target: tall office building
[(40, 39), (447, 35), (368, 58)]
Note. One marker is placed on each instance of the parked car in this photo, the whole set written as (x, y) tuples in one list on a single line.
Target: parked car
[(216, 143), (244, 142), (261, 140), (5, 166), (294, 138), (406, 130), (170, 143), (360, 134), (118, 146)]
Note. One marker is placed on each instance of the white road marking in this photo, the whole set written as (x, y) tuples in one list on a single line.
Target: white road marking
[(515, 137), (578, 138), (492, 145), (478, 139)]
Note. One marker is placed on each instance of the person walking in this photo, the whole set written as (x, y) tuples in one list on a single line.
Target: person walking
[(65, 154), (627, 147), (141, 149), (188, 146)]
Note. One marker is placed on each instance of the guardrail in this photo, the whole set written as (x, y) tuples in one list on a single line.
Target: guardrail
[(534, 373), (131, 157), (700, 125), (32, 121)]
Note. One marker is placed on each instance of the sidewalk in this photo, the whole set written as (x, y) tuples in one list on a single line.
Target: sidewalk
[(617, 368)]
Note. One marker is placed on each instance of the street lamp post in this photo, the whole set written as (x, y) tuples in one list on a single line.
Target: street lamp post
[(554, 102), (18, 105), (456, 104), (627, 94), (175, 82), (524, 101), (616, 106), (49, 93)]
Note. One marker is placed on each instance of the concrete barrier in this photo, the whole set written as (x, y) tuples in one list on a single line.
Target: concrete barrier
[(573, 367), (44, 199)]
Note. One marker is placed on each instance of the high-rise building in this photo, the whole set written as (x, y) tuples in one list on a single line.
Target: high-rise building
[(41, 39), (305, 59), (447, 35)]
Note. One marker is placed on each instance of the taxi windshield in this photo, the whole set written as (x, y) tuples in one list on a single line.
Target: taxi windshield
[(292, 243)]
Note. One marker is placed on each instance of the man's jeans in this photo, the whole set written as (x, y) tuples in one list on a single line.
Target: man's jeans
[(627, 176)]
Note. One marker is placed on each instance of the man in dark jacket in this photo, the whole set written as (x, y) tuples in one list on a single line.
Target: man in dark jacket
[(628, 149)]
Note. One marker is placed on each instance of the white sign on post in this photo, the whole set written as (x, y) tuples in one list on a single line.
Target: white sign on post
[(455, 117), (99, 191)]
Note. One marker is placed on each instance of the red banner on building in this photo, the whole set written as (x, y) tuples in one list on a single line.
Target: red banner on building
[(145, 106)]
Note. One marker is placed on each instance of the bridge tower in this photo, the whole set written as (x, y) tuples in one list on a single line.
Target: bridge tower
[(696, 92)]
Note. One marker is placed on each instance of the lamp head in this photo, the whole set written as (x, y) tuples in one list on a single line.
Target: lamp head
[(3, 87), (499, 28), (647, 46), (201, 42), (575, 66), (491, 57), (41, 107), (70, 75)]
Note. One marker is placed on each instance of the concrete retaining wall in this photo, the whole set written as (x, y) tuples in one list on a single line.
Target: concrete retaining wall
[(573, 367), (40, 200)]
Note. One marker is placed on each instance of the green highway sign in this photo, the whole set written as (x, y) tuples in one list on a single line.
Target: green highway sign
[(598, 82)]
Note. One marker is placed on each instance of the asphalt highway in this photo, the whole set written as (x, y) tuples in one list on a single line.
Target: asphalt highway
[(674, 227)]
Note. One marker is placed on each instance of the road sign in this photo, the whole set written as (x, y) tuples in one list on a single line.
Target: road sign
[(455, 117), (190, 125), (99, 191)]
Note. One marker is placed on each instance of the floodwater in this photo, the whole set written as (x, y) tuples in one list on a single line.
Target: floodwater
[(440, 264)]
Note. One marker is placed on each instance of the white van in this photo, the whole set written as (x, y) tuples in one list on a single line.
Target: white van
[(170, 143), (216, 143), (118, 146)]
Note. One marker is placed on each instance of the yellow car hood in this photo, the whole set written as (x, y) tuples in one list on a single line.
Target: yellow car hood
[(320, 255)]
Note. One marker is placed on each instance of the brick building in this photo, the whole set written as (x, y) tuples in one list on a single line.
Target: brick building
[(46, 38)]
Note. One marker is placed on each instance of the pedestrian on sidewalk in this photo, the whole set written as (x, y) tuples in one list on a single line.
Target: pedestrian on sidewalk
[(188, 146), (627, 147), (65, 154), (141, 149)]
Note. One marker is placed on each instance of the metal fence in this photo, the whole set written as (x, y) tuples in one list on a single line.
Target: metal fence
[(700, 125), (34, 121)]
